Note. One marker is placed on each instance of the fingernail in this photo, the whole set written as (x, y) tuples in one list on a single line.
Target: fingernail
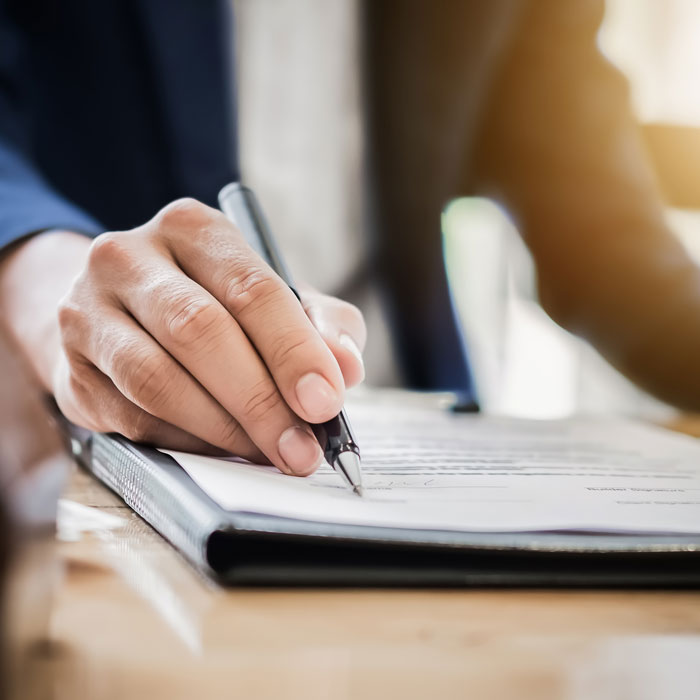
[(316, 396), (299, 450), (349, 344)]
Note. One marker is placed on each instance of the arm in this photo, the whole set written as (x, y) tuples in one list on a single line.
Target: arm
[(560, 148), (175, 332)]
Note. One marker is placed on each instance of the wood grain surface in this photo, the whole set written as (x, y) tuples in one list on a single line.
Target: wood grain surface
[(128, 618)]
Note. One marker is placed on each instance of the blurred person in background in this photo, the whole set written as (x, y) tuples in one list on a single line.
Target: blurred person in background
[(168, 329)]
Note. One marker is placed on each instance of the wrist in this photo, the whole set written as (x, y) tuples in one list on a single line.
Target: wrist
[(34, 276)]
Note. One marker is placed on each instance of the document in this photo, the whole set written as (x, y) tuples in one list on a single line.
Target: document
[(427, 468)]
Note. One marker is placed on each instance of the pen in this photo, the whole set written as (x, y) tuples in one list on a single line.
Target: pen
[(335, 436)]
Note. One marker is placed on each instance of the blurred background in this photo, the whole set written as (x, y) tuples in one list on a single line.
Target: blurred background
[(524, 364)]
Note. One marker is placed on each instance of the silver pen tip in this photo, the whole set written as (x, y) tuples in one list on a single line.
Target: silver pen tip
[(347, 464), (359, 491)]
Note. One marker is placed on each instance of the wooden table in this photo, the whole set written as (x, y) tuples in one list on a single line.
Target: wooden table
[(126, 617)]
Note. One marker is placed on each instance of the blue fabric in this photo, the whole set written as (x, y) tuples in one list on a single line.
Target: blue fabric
[(109, 110)]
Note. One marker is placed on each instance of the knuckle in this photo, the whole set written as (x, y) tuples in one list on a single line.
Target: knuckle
[(348, 311), (119, 360), (146, 380), (109, 250), (353, 320), (69, 313), (79, 379), (331, 316), (293, 344), (73, 325), (249, 288), (231, 433), (185, 213), (192, 319), (262, 402), (139, 426)]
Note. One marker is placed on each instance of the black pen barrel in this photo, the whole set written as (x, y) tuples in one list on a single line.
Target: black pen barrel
[(335, 436)]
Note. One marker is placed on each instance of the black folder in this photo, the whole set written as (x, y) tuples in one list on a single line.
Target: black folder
[(239, 548)]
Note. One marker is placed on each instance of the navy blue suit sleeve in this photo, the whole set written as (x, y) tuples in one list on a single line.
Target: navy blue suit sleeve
[(28, 203)]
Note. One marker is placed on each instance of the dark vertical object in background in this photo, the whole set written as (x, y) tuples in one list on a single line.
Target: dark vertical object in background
[(414, 60)]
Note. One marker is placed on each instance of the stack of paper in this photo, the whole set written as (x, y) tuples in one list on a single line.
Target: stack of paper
[(425, 468)]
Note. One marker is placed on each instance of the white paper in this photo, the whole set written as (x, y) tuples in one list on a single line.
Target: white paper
[(426, 469)]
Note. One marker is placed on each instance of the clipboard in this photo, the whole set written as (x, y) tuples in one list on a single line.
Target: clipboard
[(250, 549)]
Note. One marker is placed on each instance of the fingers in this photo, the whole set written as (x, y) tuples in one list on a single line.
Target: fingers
[(342, 327), (87, 397), (301, 364), (197, 332), (151, 379), (179, 333)]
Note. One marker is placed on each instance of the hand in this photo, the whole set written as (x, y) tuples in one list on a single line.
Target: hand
[(178, 334)]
